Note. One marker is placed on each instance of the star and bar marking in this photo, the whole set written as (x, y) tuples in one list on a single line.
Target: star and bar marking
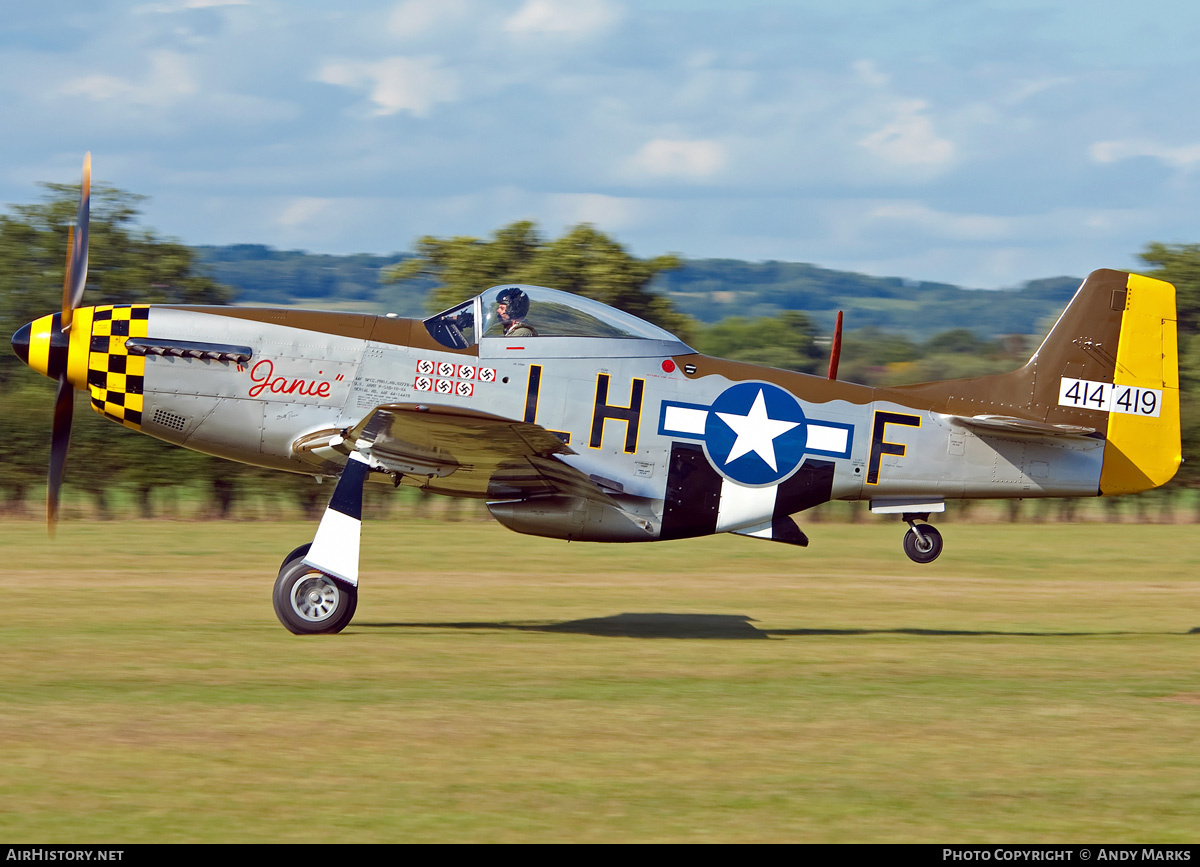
[(755, 433)]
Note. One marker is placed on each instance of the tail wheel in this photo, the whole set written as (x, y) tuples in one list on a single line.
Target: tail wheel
[(309, 602), (923, 545)]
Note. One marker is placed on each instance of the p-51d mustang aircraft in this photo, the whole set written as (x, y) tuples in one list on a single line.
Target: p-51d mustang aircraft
[(577, 421)]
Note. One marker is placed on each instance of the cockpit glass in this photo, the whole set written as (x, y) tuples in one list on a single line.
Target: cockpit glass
[(535, 311), (455, 327)]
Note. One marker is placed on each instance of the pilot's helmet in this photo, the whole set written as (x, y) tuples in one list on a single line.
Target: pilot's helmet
[(517, 301)]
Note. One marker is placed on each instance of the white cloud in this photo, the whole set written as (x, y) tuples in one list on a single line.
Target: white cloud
[(415, 18), (168, 79), (570, 19), (301, 210), (189, 4), (941, 224), (910, 139), (678, 158), (1183, 157), (921, 220), (870, 74), (396, 84), (612, 213), (1026, 89)]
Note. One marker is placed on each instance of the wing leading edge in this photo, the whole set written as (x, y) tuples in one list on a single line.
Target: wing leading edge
[(455, 451), (516, 466)]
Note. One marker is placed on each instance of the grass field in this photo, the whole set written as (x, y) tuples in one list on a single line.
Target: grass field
[(1037, 683)]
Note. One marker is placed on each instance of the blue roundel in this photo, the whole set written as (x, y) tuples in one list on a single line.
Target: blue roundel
[(755, 433)]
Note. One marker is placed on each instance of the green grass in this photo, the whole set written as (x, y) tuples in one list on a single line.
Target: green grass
[(1037, 683)]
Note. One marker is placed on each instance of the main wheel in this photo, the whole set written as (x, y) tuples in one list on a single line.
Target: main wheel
[(926, 549), (297, 554), (309, 602)]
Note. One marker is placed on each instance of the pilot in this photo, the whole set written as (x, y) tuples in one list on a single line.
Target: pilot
[(512, 306)]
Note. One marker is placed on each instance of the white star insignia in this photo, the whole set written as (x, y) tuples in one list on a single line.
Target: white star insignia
[(756, 432)]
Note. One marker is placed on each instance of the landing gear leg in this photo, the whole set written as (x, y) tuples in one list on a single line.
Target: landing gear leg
[(317, 588), (922, 542)]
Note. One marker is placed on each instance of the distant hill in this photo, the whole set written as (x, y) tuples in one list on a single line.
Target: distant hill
[(708, 289), (264, 275), (711, 289)]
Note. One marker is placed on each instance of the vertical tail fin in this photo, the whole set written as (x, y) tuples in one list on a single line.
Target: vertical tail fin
[(1111, 362)]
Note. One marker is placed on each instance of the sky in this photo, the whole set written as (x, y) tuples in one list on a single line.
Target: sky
[(976, 142)]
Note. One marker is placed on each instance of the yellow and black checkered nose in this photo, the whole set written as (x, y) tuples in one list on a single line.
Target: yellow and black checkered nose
[(43, 346), (93, 356), (115, 378)]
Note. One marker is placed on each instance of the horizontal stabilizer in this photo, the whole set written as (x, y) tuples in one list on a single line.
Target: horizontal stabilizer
[(1012, 425)]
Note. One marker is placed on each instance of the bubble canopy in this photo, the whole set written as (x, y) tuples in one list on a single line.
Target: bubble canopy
[(543, 312)]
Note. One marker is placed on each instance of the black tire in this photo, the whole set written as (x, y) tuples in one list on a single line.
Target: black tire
[(309, 602), (923, 551), (297, 554)]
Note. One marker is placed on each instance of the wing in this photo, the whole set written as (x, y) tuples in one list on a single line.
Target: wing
[(456, 451)]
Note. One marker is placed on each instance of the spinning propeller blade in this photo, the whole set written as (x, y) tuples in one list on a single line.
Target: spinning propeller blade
[(64, 401), (77, 249), (64, 408)]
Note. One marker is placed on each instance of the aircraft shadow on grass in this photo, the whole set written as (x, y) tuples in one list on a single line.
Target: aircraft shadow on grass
[(715, 626)]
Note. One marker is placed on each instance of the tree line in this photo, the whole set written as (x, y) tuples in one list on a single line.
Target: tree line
[(130, 263), (706, 290)]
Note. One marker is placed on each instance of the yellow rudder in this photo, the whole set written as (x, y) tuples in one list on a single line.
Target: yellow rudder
[(1143, 449)]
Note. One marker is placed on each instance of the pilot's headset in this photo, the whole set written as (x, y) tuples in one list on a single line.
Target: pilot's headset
[(517, 301)]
